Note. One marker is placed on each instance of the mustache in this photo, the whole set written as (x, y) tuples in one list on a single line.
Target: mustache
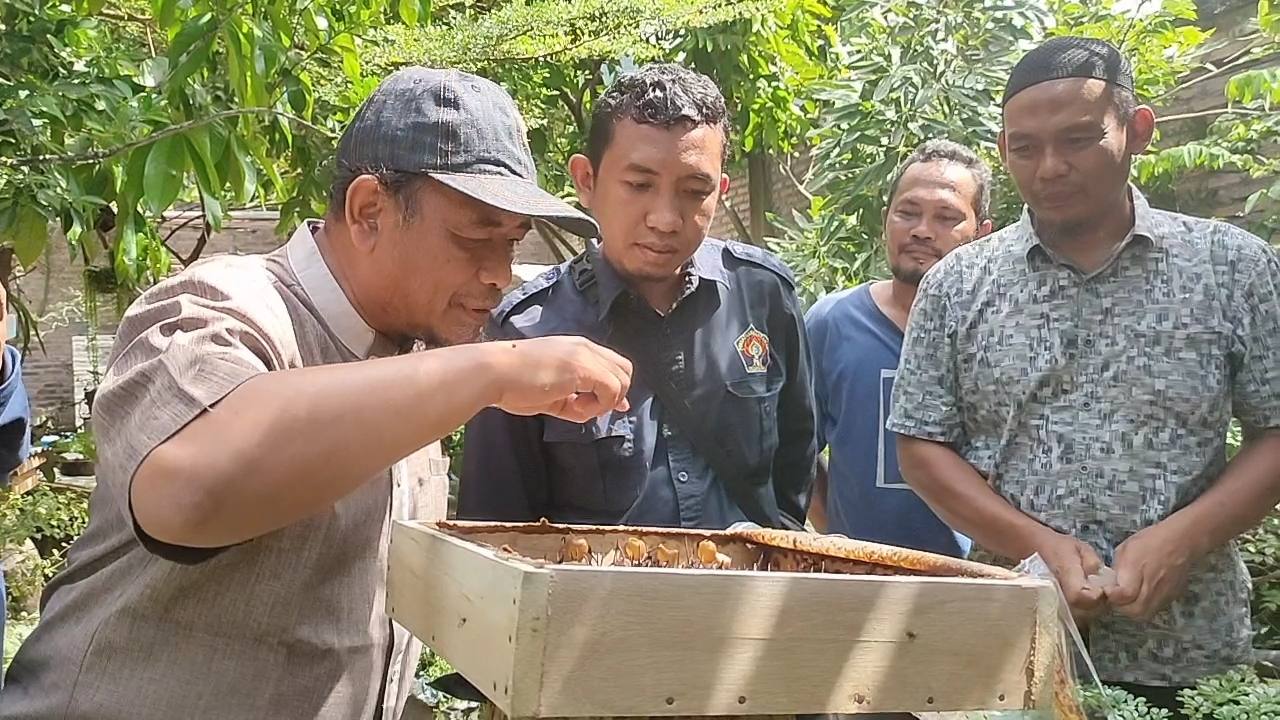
[(922, 246)]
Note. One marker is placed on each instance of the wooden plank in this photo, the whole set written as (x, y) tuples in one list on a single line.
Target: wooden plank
[(488, 712), (482, 613), (659, 642)]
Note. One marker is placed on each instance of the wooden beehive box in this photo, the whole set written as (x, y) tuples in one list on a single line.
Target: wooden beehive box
[(798, 625)]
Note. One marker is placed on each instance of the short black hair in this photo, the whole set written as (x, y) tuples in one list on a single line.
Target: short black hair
[(403, 186), (660, 94), (948, 151), (1125, 102)]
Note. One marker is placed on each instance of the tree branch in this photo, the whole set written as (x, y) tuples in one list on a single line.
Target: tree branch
[(100, 155), (181, 225), (1233, 62), (738, 224), (786, 170), (125, 17), (205, 231), (1208, 113), (575, 109)]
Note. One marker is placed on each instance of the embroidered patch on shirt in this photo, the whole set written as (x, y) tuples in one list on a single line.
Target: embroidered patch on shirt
[(753, 349)]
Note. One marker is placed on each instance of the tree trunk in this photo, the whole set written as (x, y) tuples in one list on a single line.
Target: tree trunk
[(760, 194)]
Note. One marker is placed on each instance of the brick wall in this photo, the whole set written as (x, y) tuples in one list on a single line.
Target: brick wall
[(785, 197), (54, 291)]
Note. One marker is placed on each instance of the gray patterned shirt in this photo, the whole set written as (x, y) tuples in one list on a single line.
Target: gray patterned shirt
[(1099, 403)]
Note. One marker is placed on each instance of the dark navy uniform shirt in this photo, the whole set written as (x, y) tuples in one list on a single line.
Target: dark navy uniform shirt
[(735, 342)]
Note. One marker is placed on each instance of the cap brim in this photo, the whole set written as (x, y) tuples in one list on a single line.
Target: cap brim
[(522, 198)]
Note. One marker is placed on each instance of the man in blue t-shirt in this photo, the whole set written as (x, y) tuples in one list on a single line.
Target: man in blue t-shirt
[(939, 200)]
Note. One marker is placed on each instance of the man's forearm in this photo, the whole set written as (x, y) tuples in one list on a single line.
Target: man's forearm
[(964, 500), (286, 445), (1246, 492)]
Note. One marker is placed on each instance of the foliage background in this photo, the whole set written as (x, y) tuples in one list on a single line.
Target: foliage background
[(112, 114)]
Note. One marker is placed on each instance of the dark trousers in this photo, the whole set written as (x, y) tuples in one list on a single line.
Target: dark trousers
[(1158, 697)]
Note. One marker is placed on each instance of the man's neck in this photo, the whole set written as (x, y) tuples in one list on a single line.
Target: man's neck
[(331, 251), (661, 295), (1089, 246), (894, 299)]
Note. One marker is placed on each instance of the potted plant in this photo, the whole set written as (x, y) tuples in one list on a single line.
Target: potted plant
[(75, 454)]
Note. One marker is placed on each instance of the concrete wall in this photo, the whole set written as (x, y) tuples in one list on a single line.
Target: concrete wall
[(1218, 194)]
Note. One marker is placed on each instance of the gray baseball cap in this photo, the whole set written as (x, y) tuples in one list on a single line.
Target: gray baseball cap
[(460, 129)]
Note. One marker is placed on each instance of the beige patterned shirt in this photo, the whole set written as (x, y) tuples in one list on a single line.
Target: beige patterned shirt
[(1099, 403), (289, 625)]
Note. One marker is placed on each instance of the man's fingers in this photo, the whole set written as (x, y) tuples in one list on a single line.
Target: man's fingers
[(1089, 560), (617, 366), (1071, 578), (1126, 591)]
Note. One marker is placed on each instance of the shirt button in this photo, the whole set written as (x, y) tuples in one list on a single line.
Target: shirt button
[(682, 476)]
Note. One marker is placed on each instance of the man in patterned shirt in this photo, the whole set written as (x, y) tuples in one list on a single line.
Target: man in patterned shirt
[(1066, 385)]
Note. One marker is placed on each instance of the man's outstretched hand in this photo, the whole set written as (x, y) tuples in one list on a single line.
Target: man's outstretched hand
[(568, 377)]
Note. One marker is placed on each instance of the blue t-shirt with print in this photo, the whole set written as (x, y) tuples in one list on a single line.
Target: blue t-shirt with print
[(855, 350)]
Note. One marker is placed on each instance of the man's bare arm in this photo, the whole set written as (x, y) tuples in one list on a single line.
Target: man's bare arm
[(286, 445), (1153, 565), (1242, 497)]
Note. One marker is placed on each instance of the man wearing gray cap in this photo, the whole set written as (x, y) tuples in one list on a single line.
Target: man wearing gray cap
[(1066, 384), (261, 424)]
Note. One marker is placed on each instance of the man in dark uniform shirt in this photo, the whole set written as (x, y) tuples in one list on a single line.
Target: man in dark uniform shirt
[(721, 424)]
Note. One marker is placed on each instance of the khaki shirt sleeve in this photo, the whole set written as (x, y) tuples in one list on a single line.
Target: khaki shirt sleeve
[(180, 348)]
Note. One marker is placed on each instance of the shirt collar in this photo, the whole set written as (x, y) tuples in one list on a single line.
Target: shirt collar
[(322, 288), (1143, 226), (707, 263)]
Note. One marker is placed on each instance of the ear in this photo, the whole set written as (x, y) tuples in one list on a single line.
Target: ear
[(584, 178), (367, 203), (984, 229), (724, 184), (1141, 129), (1003, 147)]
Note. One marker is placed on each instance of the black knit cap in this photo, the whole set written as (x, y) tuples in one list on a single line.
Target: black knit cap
[(1070, 57)]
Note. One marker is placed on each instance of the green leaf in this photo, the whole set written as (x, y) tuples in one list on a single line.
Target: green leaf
[(212, 211), (350, 58), (154, 71), (1253, 200), (202, 159), (29, 235), (166, 165), (1269, 17), (298, 92), (130, 183), (166, 11), (125, 258), (241, 174), (190, 48), (408, 10)]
